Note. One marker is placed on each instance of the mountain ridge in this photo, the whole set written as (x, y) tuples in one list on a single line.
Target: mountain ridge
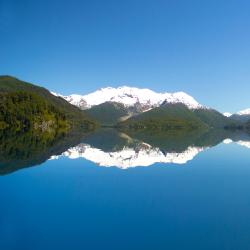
[(111, 106), (130, 96), (242, 115), (122, 105)]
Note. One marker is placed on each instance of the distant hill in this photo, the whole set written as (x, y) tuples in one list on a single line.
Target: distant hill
[(24, 105), (166, 117), (243, 115), (108, 113), (242, 118), (213, 118), (177, 116)]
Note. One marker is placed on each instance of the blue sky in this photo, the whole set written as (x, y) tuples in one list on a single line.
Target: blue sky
[(77, 46)]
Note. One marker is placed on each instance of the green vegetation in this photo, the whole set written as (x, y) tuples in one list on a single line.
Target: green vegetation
[(166, 117), (212, 118), (108, 113), (26, 106), (170, 117), (24, 111), (34, 124), (20, 149)]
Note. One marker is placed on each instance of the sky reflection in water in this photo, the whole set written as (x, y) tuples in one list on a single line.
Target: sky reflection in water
[(65, 203)]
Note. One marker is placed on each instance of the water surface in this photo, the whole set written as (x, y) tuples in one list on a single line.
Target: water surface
[(165, 192)]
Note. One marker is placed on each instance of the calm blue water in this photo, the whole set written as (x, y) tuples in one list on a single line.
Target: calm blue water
[(75, 204)]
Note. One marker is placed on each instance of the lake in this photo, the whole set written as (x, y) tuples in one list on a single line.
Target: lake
[(115, 190)]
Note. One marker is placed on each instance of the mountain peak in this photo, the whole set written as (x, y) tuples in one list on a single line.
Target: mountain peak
[(130, 96), (227, 114), (244, 112)]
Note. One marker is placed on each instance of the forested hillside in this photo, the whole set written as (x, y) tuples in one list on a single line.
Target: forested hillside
[(24, 105)]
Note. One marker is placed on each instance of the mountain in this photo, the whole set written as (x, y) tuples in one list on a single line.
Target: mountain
[(108, 113), (110, 106), (114, 105), (244, 112), (241, 119), (144, 99), (243, 115), (146, 108), (227, 114), (24, 105), (213, 118), (166, 117), (177, 116)]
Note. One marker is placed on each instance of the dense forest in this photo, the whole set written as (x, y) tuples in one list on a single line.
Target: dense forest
[(23, 111), (25, 106)]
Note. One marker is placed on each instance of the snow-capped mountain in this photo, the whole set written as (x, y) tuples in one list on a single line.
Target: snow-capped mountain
[(243, 115), (227, 114), (145, 155), (244, 112), (239, 142), (130, 96)]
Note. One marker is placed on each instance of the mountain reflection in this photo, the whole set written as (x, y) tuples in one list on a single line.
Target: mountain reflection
[(26, 149), (110, 147), (142, 155)]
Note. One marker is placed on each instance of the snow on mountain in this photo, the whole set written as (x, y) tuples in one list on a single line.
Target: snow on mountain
[(238, 115), (74, 99), (244, 143), (129, 96), (228, 141), (227, 114), (240, 142), (126, 158), (244, 112), (55, 94)]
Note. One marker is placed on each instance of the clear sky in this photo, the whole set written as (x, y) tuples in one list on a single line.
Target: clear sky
[(201, 47)]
